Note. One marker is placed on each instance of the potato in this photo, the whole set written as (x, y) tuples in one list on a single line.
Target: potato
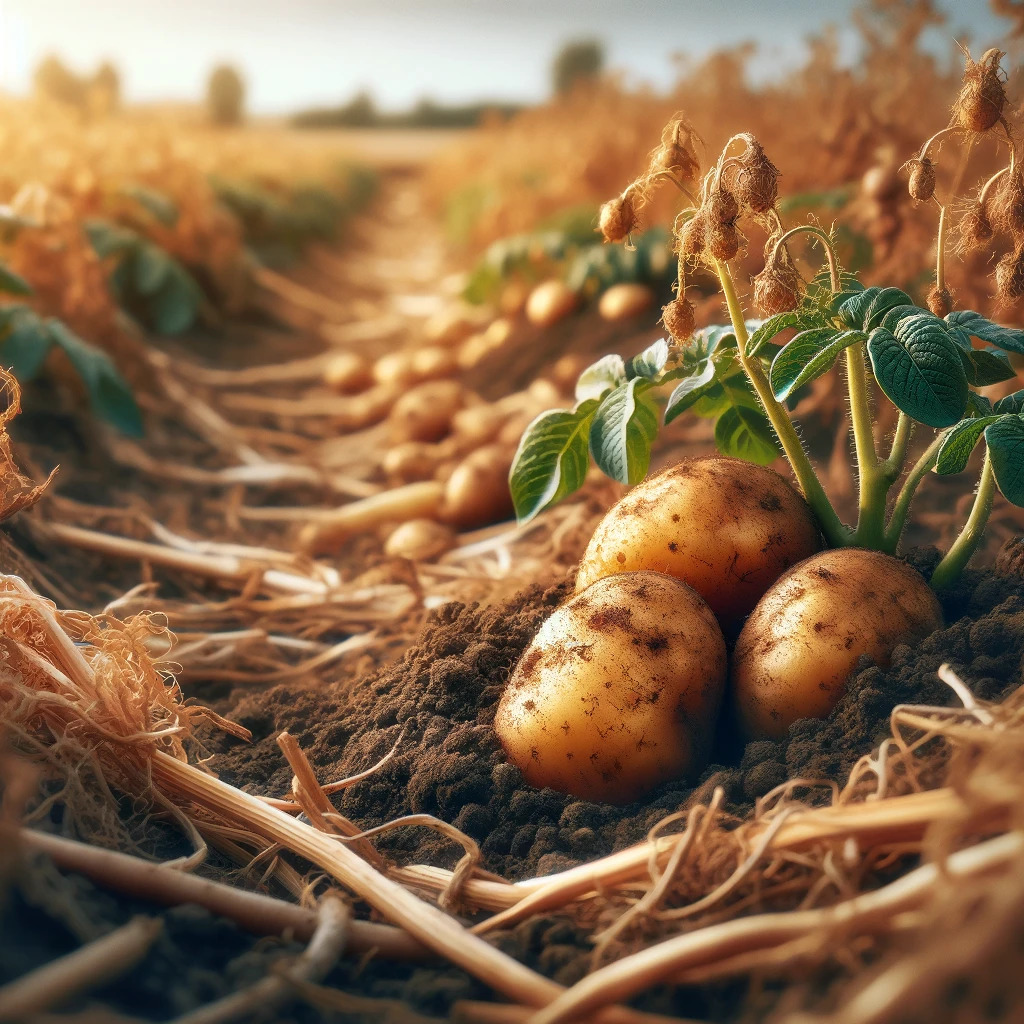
[(618, 691), (566, 370), (348, 373), (726, 527), (411, 460), (420, 540), (550, 302), (450, 326), (513, 297), (622, 301), (395, 369), (425, 412), (368, 408), (477, 493), (478, 424), (801, 643), (434, 363)]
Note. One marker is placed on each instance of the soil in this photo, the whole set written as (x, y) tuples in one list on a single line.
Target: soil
[(438, 703)]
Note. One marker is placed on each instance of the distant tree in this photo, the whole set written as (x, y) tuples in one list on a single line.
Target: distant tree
[(225, 95), (360, 111), (105, 89), (577, 61), (53, 80)]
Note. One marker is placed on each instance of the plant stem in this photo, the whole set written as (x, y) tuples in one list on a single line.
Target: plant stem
[(963, 547), (898, 519), (893, 465), (874, 485), (940, 251), (835, 531), (826, 242)]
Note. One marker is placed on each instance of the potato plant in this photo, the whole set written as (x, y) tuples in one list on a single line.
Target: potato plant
[(928, 362), (27, 339)]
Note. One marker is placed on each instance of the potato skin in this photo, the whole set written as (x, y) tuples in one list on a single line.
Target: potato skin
[(726, 527), (802, 641), (618, 691)]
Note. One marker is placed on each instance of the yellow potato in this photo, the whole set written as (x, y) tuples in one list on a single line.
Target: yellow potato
[(550, 302), (797, 650), (395, 369), (420, 540), (348, 372), (622, 301), (434, 362), (425, 412), (618, 691), (726, 527), (477, 493)]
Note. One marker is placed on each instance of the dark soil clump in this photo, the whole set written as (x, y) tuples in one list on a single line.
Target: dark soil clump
[(439, 702)]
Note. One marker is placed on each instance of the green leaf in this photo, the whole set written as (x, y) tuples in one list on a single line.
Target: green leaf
[(745, 433), (988, 366), (958, 443), (607, 373), (1005, 439), (974, 325), (919, 369), (979, 405), (866, 310), (1011, 403), (12, 283), (650, 362), (155, 203), (625, 424), (175, 307), (109, 239), (25, 345), (109, 395), (552, 459), (807, 357), (801, 318), (897, 314), (689, 391), (151, 267)]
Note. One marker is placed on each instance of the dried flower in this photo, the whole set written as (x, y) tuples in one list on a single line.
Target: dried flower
[(679, 320), (975, 229), (1007, 209), (721, 206), (778, 287), (692, 237), (723, 242), (922, 179), (940, 301), (982, 97), (757, 183), (677, 151), (1010, 276), (618, 218)]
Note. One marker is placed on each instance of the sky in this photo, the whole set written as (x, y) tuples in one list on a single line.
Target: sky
[(302, 53)]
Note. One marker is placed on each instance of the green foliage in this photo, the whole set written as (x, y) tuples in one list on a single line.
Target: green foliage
[(925, 365), (571, 252), (277, 225), (150, 284), (12, 283), (160, 207), (26, 339)]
